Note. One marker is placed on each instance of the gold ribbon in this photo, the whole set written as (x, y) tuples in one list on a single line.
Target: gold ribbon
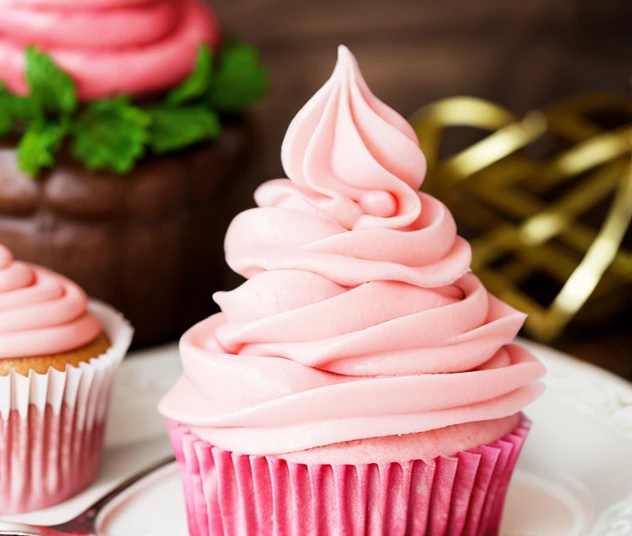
[(518, 219)]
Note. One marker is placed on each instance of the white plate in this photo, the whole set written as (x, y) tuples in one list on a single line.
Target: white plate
[(574, 476)]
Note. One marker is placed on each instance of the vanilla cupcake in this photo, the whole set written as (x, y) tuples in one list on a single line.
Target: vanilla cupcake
[(58, 356), (362, 380)]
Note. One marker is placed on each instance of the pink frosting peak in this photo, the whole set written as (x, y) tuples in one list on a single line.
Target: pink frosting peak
[(109, 47), (378, 186), (41, 313), (360, 318)]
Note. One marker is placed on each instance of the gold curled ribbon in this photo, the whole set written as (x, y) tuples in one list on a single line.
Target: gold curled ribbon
[(598, 258), (513, 211)]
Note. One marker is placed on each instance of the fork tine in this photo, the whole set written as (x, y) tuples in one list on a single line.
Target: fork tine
[(26, 530), (84, 523), (18, 533)]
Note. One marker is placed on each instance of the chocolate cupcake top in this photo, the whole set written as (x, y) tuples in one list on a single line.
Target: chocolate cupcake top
[(360, 318), (41, 312), (112, 81)]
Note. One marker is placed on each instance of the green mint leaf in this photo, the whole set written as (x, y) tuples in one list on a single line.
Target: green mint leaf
[(7, 114), (38, 146), (51, 89), (239, 81), (13, 109), (110, 134), (198, 82), (175, 128), (22, 108), (6, 120)]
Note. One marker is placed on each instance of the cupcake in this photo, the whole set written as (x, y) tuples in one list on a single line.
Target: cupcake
[(362, 380), (58, 357), (129, 115)]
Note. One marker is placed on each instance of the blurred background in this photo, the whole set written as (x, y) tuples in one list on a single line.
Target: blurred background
[(520, 55), (523, 109)]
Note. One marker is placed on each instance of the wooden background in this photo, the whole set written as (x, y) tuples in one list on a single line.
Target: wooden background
[(521, 54)]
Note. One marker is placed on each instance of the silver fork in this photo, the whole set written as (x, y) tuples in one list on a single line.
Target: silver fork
[(85, 523)]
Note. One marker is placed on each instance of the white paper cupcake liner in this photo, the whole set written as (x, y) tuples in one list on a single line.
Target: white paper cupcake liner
[(52, 425)]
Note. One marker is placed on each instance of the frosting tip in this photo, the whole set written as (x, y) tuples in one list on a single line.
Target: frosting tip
[(346, 59), (344, 53)]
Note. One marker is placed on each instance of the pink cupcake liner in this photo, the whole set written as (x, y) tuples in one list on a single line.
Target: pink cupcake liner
[(45, 459), (52, 425), (230, 494)]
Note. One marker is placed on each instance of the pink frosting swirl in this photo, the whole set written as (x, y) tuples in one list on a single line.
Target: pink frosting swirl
[(108, 46), (41, 313), (76, 5), (360, 318)]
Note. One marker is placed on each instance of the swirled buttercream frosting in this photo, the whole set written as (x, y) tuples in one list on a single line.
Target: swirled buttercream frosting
[(109, 47), (41, 312), (359, 318)]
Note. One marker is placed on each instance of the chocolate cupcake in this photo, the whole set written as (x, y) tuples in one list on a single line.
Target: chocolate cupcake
[(123, 142)]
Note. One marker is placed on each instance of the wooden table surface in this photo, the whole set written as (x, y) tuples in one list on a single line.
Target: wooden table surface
[(520, 54)]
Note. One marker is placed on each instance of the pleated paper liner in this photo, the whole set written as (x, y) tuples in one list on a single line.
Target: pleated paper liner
[(230, 494), (52, 425)]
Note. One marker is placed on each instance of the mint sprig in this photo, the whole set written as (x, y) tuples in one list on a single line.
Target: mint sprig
[(38, 146), (240, 80), (14, 111), (175, 128), (110, 134), (51, 89), (114, 134), (198, 82)]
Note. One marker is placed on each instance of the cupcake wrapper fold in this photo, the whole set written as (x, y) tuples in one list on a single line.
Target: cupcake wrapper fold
[(229, 494), (52, 425)]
